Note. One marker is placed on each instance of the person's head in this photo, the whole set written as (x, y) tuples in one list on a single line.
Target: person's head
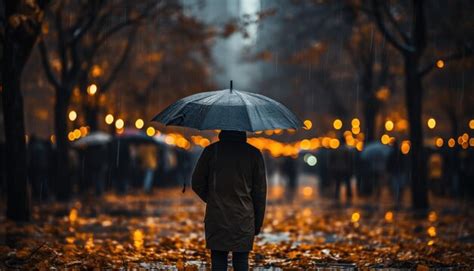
[(232, 135)]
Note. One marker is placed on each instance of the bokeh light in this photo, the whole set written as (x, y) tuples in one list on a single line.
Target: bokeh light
[(337, 124)]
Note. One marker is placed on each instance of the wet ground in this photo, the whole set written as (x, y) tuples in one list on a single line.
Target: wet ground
[(165, 231)]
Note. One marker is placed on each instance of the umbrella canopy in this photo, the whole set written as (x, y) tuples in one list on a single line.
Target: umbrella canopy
[(94, 138), (135, 136), (376, 154), (229, 109)]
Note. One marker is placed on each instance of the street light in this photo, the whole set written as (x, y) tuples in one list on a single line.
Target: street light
[(150, 131), (92, 89), (307, 124), (119, 124), (355, 122), (440, 64), (139, 123), (72, 115), (109, 119), (431, 123), (337, 124), (389, 125)]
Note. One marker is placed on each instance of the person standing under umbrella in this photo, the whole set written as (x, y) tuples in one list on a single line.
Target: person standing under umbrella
[(230, 174), (230, 178)]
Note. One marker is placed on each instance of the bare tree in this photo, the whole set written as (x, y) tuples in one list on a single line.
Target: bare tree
[(80, 29), (21, 26), (412, 45)]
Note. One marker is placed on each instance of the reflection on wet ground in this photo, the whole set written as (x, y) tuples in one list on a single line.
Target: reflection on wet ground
[(165, 231)]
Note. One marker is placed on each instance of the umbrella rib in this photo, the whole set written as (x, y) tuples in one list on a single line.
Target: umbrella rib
[(244, 100), (280, 108), (217, 97)]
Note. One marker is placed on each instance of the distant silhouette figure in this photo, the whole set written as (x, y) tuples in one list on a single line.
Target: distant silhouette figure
[(39, 157), (340, 168), (289, 170), (230, 178)]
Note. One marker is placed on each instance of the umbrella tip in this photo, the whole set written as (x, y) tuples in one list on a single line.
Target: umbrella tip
[(230, 85)]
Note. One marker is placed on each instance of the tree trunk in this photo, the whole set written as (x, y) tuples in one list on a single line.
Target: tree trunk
[(454, 156), (370, 104), (18, 191), (413, 97), (92, 115), (370, 114), (63, 186)]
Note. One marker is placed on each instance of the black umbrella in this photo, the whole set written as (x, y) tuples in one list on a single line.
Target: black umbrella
[(229, 109)]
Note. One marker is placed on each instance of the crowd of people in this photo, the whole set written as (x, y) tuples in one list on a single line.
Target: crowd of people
[(120, 165), (450, 171), (123, 166)]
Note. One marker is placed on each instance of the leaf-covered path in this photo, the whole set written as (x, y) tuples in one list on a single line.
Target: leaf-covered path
[(165, 231)]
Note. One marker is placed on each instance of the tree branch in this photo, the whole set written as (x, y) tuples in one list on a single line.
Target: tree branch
[(466, 52), (404, 48), (121, 62), (395, 23), (47, 67), (419, 26)]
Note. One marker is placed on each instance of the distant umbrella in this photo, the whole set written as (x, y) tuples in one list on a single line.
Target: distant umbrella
[(135, 136), (229, 109), (94, 138), (377, 154)]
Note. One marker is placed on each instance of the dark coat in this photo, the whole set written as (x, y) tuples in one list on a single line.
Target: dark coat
[(230, 178)]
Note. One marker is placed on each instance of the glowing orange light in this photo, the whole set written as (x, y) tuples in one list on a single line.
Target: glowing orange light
[(385, 139), (139, 123), (150, 131), (439, 142), (73, 215), (138, 239), (71, 136), (355, 130), (431, 123), (431, 231), (307, 124), (92, 89), (402, 125), (440, 64), (355, 122), (360, 146), (305, 144), (389, 125), (471, 124), (383, 94), (96, 71), (119, 123), (355, 217), (109, 119), (451, 142), (334, 143), (269, 132), (405, 147), (76, 133), (90, 243), (337, 124), (72, 115), (307, 191), (432, 216), (389, 216)]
